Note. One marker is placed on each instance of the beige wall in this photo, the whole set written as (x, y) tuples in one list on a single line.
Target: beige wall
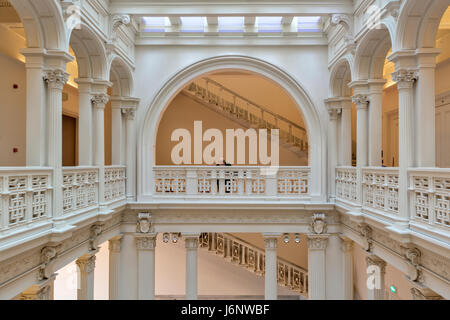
[(182, 112), (392, 277), (13, 112)]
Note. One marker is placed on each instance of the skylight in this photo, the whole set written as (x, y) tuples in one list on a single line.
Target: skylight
[(308, 24), (192, 24), (155, 24), (269, 24), (231, 24)]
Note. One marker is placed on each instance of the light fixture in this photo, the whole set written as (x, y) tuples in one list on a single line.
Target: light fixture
[(174, 237), (286, 238), (165, 237), (297, 238)]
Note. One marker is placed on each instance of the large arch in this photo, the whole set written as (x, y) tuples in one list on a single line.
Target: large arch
[(418, 23), (90, 53), (121, 77), (340, 76), (43, 22), (371, 53), (152, 114)]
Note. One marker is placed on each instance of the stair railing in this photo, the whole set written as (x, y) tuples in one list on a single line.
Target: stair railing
[(242, 108), (252, 258)]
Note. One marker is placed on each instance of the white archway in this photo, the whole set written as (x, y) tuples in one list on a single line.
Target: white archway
[(148, 126), (340, 76)]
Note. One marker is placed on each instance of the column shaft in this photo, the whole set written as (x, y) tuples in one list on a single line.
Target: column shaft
[(332, 149), (85, 124), (347, 268), (131, 153), (146, 266), (375, 122), (361, 139), (117, 138), (345, 134), (271, 274), (55, 80), (86, 266), (191, 242), (114, 267), (405, 80), (317, 245)]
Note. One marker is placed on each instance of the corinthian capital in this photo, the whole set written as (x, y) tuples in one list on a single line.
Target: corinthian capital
[(361, 100), (317, 241), (86, 263), (100, 100), (147, 242), (129, 113), (405, 77), (56, 78)]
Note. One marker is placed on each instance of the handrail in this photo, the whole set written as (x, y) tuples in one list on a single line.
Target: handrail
[(255, 104)]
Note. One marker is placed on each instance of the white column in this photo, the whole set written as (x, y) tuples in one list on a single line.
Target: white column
[(425, 107), (345, 133), (191, 243), (85, 125), (361, 139), (114, 267), (36, 107), (376, 270), (128, 285), (56, 80), (146, 244), (317, 244), (333, 110), (131, 152), (347, 269), (44, 290), (271, 273), (375, 122), (86, 266), (118, 137), (99, 101), (405, 80)]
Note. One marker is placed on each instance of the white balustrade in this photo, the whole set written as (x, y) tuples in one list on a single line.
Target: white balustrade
[(235, 181), (346, 184), (114, 183), (80, 189), (25, 196), (430, 196), (380, 189), (252, 258)]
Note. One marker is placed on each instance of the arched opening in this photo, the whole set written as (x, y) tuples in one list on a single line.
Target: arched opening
[(147, 138), (232, 100), (374, 69)]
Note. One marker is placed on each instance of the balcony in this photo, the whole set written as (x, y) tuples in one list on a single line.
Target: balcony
[(231, 183)]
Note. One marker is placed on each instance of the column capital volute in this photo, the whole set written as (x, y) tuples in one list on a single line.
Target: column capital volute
[(334, 112), (56, 78), (361, 101), (86, 263), (317, 241), (99, 100), (191, 240), (405, 78), (271, 239)]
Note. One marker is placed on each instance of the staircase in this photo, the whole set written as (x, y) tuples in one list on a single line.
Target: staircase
[(248, 114), (252, 258)]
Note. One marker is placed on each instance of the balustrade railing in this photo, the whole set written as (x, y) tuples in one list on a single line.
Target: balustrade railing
[(114, 183), (380, 189), (221, 181), (252, 258), (80, 189), (430, 196), (231, 102), (25, 196), (346, 184)]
